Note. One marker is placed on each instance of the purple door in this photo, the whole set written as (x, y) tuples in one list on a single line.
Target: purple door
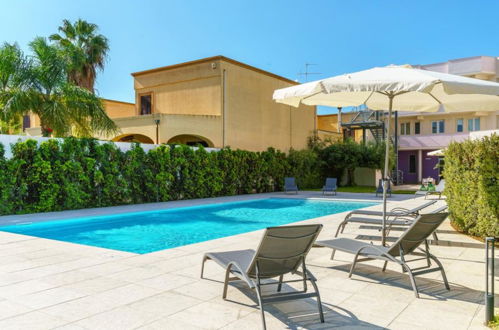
[(408, 164), (430, 166)]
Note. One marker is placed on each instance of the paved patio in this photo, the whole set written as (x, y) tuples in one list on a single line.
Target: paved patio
[(47, 284)]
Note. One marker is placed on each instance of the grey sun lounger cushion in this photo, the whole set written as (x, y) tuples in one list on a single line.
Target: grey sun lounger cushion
[(374, 221), (330, 186), (407, 244), (352, 246), (396, 217), (281, 251), (414, 210), (290, 185), (242, 257)]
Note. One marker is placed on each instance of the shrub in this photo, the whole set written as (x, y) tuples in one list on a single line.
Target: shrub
[(472, 185), (307, 167), (80, 173)]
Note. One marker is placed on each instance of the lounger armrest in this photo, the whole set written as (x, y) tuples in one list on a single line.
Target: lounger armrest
[(240, 272)]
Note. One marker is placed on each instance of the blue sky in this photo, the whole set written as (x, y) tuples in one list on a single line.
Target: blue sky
[(274, 35)]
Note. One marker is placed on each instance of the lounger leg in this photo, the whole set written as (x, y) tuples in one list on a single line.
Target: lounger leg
[(353, 265), (435, 237), (343, 225), (413, 280), (444, 277), (332, 254), (338, 230), (202, 265), (260, 303), (226, 282), (279, 286), (319, 302), (384, 265)]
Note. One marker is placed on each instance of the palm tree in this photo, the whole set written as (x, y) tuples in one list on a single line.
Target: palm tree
[(13, 85), (63, 107), (85, 50)]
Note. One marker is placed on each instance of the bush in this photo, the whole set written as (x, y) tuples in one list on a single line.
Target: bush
[(472, 185), (80, 173), (307, 167), (344, 156)]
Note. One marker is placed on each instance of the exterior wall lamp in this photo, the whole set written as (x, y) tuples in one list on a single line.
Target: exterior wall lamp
[(157, 122)]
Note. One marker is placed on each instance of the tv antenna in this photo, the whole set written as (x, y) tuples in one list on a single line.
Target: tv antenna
[(307, 72)]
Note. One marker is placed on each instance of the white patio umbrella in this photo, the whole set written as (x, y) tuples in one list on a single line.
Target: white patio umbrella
[(395, 87), (439, 152)]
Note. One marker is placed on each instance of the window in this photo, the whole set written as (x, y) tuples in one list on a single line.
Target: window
[(438, 126), (459, 125), (412, 163), (145, 104), (474, 124), (26, 122), (417, 128), (405, 128)]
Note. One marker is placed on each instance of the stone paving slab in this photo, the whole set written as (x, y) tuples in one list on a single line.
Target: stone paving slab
[(48, 284)]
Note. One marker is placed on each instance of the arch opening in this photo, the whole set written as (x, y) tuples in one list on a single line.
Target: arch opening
[(191, 140), (134, 138)]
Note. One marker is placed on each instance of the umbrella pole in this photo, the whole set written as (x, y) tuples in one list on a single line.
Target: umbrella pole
[(385, 174)]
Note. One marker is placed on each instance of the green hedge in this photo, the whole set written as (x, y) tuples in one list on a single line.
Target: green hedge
[(81, 173), (472, 185)]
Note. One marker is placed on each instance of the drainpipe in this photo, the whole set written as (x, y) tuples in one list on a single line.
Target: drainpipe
[(290, 128), (224, 108), (420, 165)]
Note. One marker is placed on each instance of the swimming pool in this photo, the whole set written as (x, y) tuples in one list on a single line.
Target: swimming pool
[(144, 232)]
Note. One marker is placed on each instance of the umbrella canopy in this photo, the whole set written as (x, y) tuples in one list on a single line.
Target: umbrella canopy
[(416, 90), (439, 152), (395, 87)]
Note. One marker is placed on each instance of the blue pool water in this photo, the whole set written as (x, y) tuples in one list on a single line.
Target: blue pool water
[(144, 232)]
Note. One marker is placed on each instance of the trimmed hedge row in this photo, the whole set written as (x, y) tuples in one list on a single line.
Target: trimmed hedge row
[(81, 173), (472, 185), (75, 173)]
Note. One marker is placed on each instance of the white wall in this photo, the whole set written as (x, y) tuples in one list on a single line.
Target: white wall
[(8, 140), (480, 134)]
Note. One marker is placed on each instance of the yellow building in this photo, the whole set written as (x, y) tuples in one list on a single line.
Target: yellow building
[(215, 101)]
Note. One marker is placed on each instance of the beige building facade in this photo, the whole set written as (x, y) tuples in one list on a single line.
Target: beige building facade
[(217, 102)]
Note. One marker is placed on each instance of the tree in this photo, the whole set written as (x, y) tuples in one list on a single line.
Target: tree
[(12, 86), (84, 49), (43, 88), (342, 156)]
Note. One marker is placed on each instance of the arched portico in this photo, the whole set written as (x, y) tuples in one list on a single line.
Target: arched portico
[(133, 138), (191, 140)]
